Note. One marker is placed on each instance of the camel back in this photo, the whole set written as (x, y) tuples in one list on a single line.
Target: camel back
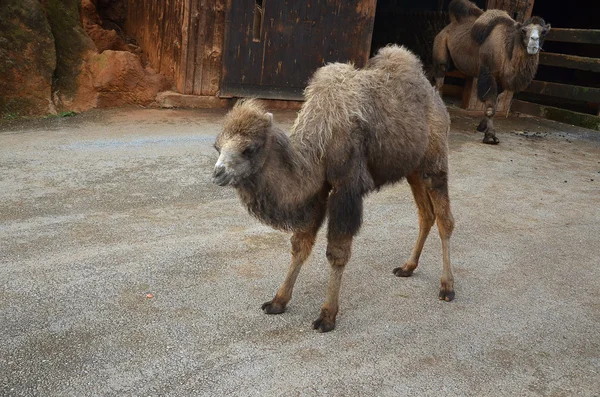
[(485, 24), (339, 96)]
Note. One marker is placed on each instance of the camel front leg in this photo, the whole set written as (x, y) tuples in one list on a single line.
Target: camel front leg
[(345, 218), (302, 243), (338, 255)]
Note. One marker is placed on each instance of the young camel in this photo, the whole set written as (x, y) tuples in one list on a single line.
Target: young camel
[(357, 131), (501, 53)]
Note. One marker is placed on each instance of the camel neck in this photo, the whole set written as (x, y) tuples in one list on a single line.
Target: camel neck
[(287, 188), (524, 68)]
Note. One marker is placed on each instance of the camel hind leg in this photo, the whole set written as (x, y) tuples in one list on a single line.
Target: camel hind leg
[(437, 189), (487, 92), (426, 221)]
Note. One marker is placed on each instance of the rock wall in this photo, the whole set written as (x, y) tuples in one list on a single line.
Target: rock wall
[(56, 55), (27, 59)]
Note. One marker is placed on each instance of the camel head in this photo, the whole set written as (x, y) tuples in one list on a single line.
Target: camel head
[(533, 32), (242, 144)]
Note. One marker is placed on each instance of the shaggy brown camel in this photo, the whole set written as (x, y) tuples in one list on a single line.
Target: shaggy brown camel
[(357, 131), (501, 53)]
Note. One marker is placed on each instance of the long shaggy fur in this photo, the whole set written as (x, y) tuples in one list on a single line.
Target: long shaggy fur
[(353, 124), (358, 130), (246, 118), (339, 97), (334, 101)]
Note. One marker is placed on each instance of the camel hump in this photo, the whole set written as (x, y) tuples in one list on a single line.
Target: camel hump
[(392, 58), (334, 98), (461, 9), (485, 24)]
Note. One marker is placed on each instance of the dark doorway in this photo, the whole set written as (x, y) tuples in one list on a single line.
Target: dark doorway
[(412, 23), (272, 47)]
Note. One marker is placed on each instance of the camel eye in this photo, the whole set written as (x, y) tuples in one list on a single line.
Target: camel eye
[(217, 148), (249, 151)]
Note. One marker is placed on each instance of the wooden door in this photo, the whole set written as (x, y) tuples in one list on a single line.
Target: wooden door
[(272, 47)]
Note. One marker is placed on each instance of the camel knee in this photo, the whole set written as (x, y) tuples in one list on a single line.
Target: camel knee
[(302, 245), (446, 224), (338, 254), (426, 218)]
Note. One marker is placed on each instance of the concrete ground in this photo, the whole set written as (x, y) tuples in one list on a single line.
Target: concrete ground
[(99, 210)]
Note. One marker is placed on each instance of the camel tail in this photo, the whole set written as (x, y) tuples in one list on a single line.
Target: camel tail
[(485, 24), (461, 9)]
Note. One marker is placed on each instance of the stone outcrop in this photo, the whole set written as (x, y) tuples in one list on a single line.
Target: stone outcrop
[(56, 55), (27, 59)]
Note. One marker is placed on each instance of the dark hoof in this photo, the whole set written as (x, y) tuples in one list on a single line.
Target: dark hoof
[(323, 324), (482, 126), (491, 140), (272, 307), (446, 295), (400, 272)]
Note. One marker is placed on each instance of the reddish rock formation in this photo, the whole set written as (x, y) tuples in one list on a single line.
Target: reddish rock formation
[(53, 57), (104, 39), (27, 59), (115, 78)]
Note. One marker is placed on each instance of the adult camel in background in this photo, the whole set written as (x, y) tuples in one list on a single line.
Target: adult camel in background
[(503, 54)]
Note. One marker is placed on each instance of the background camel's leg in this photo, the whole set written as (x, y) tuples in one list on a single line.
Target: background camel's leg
[(441, 59), (438, 192), (302, 244), (487, 92), (426, 220), (338, 255)]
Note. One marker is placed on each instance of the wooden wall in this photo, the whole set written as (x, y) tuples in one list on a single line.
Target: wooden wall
[(183, 40)]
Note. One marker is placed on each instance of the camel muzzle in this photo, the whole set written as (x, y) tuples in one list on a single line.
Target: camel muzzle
[(220, 176)]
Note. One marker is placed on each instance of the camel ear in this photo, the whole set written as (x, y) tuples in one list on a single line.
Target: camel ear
[(269, 117), (546, 28)]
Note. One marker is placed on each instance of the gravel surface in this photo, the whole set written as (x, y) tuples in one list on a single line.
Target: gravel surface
[(125, 272)]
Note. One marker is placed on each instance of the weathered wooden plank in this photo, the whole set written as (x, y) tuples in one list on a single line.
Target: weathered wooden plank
[(192, 46), (570, 61), (587, 36), (588, 94), (203, 29), (157, 27), (556, 114), (183, 55), (213, 49)]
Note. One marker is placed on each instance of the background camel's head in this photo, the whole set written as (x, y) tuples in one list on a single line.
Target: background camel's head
[(242, 143), (533, 32)]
